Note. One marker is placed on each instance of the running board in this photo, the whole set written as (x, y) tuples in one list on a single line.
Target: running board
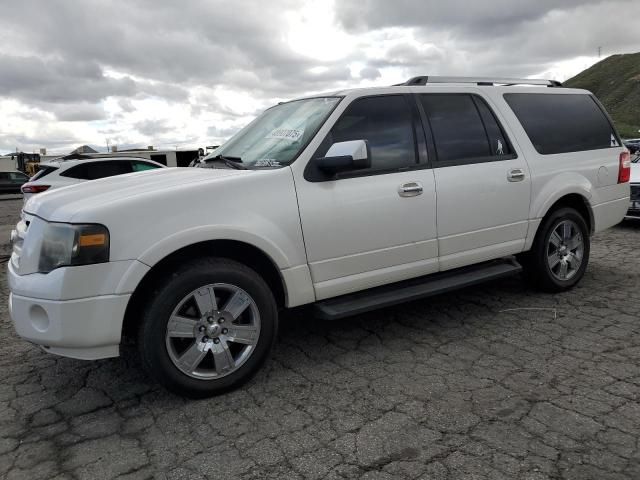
[(414, 289)]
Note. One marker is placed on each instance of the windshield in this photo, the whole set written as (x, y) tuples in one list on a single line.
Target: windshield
[(277, 136)]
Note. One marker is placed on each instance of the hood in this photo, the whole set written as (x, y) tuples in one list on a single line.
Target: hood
[(63, 204), (635, 173)]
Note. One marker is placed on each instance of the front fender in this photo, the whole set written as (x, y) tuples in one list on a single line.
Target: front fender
[(185, 238)]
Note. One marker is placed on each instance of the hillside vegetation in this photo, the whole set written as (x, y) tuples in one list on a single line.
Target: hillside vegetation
[(616, 82)]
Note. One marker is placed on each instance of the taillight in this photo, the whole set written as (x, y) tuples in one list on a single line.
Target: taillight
[(624, 173), (26, 188)]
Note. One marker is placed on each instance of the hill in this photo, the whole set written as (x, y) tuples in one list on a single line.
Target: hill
[(616, 82)]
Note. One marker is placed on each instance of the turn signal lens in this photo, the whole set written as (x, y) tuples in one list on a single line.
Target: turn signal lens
[(92, 240), (624, 172)]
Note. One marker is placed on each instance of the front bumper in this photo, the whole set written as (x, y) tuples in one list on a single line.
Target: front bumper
[(74, 311), (86, 328)]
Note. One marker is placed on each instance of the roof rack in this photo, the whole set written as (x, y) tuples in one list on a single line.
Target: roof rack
[(484, 81)]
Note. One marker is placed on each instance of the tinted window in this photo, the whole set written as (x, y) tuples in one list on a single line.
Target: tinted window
[(560, 123), (457, 127), (386, 123), (107, 169), (141, 166), (42, 172), (79, 171), (497, 139), (95, 170), (4, 176)]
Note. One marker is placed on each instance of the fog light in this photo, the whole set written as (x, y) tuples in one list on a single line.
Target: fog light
[(39, 318)]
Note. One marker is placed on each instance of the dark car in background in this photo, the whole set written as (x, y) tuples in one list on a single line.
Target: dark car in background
[(11, 182), (633, 145)]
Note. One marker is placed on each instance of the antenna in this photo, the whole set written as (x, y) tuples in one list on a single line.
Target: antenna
[(599, 52)]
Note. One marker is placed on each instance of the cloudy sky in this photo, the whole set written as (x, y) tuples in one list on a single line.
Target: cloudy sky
[(190, 73)]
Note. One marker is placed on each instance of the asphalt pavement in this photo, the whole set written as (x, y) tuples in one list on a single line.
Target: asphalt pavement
[(496, 381)]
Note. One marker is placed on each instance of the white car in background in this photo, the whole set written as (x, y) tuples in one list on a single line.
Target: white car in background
[(61, 172)]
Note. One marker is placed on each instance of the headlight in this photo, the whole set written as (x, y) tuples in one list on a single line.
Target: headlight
[(64, 244)]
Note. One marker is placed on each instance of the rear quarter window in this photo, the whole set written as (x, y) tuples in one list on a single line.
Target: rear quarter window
[(562, 123), (42, 172)]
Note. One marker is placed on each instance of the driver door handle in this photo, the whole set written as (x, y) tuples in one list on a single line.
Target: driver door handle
[(411, 189)]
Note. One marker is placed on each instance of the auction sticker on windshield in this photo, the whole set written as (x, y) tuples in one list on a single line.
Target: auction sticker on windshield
[(291, 134)]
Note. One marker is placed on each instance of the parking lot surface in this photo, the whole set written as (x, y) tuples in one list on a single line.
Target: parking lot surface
[(496, 381)]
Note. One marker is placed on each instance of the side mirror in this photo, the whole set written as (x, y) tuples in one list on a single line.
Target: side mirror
[(345, 156)]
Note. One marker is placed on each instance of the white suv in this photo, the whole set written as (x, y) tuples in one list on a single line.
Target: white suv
[(63, 172), (349, 201)]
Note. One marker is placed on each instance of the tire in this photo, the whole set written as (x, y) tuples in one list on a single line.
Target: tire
[(539, 263), (197, 347)]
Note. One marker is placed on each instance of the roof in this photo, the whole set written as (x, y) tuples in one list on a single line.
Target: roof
[(439, 81), (58, 162)]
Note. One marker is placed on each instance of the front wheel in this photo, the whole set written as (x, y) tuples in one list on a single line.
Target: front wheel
[(208, 328), (560, 252)]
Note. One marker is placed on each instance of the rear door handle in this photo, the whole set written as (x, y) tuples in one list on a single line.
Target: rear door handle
[(515, 175), (411, 189)]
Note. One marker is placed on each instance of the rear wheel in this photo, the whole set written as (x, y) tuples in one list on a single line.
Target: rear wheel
[(208, 328), (560, 252)]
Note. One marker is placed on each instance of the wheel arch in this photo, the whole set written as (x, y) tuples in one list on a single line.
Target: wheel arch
[(575, 200), (579, 203), (239, 251)]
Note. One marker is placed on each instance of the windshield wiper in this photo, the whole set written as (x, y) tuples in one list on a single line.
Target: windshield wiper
[(232, 162)]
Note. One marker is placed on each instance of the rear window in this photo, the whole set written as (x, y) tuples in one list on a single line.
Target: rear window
[(43, 171), (561, 123)]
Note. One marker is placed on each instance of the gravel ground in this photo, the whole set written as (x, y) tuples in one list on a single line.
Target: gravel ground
[(495, 381)]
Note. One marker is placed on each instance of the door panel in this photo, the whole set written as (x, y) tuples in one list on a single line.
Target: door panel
[(359, 225), (483, 185), (477, 208), (376, 226)]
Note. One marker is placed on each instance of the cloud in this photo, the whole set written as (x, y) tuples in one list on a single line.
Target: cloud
[(165, 71), (504, 37), (126, 105), (82, 112), (369, 73), (33, 79), (152, 128)]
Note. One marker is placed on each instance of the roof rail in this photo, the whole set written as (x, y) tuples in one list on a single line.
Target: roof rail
[(484, 81)]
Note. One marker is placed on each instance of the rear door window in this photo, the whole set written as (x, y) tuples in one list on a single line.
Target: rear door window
[(464, 129), (561, 123), (78, 171), (96, 170), (107, 169)]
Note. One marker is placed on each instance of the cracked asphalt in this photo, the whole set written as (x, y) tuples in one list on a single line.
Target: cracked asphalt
[(496, 381)]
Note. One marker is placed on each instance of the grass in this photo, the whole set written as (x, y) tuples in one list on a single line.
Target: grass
[(616, 82)]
